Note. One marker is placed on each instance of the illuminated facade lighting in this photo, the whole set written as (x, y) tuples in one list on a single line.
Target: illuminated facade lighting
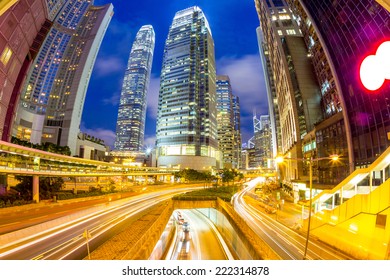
[(130, 127), (53, 97), (229, 139), (187, 116)]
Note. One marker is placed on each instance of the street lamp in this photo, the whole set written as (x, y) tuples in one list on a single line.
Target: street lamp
[(334, 158)]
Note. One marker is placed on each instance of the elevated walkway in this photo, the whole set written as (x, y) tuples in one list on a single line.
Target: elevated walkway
[(353, 215)]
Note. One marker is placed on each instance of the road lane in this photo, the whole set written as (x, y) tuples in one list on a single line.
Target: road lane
[(66, 241)]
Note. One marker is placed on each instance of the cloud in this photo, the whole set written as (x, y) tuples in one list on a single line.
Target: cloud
[(113, 100), (247, 80), (105, 66), (105, 134), (150, 141), (246, 77), (152, 98)]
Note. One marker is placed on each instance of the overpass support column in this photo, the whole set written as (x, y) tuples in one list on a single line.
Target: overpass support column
[(167, 178), (3, 184), (35, 182)]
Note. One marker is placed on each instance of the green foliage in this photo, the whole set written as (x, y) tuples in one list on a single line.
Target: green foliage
[(48, 147), (269, 186), (193, 175), (224, 193), (230, 175)]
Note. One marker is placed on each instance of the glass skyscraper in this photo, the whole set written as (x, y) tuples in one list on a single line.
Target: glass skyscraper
[(187, 117), (348, 31), (130, 126), (229, 139), (52, 101)]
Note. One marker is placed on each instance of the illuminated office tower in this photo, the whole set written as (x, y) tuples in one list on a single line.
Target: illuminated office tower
[(297, 91), (52, 101), (237, 131), (130, 126), (187, 118), (228, 131)]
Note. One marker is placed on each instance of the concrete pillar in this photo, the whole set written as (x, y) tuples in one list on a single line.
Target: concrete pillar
[(36, 188), (168, 178), (3, 184)]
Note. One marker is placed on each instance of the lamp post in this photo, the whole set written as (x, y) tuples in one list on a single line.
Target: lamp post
[(334, 158)]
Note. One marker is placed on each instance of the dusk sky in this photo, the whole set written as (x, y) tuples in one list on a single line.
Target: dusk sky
[(233, 25)]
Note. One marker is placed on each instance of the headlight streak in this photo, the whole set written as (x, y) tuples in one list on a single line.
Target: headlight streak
[(285, 233), (239, 205), (222, 242), (52, 232)]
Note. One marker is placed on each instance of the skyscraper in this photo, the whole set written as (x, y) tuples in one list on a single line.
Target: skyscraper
[(237, 131), (187, 118), (347, 31), (228, 136), (130, 126), (52, 101), (297, 91)]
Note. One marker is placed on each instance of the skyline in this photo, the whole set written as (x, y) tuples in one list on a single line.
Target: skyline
[(236, 52)]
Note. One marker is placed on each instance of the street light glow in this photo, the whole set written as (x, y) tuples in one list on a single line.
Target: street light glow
[(279, 159), (334, 157)]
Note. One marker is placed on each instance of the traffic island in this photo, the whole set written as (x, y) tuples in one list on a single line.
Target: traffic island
[(138, 239)]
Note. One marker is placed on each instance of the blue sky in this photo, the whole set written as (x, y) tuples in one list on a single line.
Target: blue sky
[(233, 24)]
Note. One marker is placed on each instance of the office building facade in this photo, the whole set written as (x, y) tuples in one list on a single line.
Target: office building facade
[(347, 32), (187, 117), (23, 27), (297, 91), (130, 127), (53, 97), (237, 130), (228, 126)]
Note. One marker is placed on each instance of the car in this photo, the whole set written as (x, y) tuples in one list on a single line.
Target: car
[(186, 226)]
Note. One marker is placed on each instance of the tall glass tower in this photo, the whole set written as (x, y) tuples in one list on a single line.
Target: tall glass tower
[(229, 138), (187, 119), (130, 126), (53, 97)]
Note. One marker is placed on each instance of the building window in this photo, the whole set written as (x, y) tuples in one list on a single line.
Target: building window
[(6, 56)]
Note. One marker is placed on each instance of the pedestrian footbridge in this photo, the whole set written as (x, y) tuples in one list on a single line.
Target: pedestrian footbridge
[(353, 215)]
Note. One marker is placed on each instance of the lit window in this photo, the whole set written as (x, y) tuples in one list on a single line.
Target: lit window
[(291, 32), (6, 55)]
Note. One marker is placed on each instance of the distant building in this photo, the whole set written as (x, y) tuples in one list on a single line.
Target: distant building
[(229, 138), (130, 127), (187, 115), (237, 131), (248, 159), (263, 142), (90, 147), (52, 99)]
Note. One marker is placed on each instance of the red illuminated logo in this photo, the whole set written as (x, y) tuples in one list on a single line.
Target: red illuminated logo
[(375, 69)]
